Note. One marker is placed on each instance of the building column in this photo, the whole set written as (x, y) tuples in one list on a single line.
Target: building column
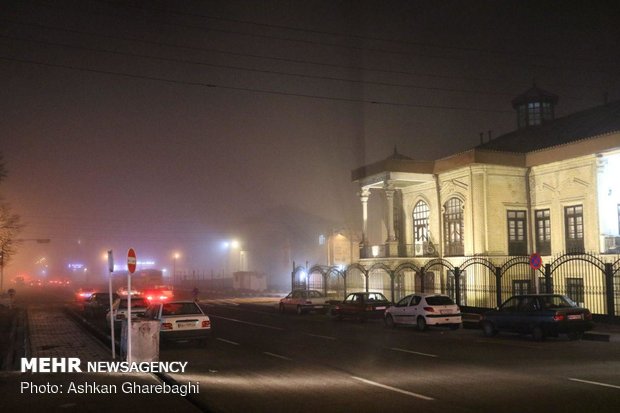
[(364, 194), (391, 242), (389, 195)]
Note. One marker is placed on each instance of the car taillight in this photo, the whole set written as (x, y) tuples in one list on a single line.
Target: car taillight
[(369, 308), (308, 302), (148, 297), (166, 326), (429, 309), (206, 323), (558, 317)]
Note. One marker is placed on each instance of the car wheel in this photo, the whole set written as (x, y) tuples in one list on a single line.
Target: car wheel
[(575, 335), (281, 308), (421, 323), (389, 321), (300, 311), (335, 315), (488, 330), (538, 333)]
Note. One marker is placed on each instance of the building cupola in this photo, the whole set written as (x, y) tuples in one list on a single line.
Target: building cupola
[(534, 107)]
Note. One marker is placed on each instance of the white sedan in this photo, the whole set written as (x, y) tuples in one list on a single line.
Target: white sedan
[(180, 320), (423, 310)]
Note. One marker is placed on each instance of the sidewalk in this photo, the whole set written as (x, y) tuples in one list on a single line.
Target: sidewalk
[(53, 334)]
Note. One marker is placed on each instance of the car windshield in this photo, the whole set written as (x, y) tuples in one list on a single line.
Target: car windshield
[(314, 294), (135, 302), (557, 301), (439, 300), (180, 309), (375, 297)]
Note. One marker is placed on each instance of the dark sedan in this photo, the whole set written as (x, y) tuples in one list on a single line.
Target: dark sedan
[(362, 305), (540, 315)]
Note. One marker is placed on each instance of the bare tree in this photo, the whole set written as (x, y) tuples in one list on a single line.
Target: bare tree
[(10, 226)]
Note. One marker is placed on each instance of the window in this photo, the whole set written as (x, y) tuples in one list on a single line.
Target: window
[(543, 231), (517, 238), (404, 302), (573, 221), (520, 287), (534, 113), (574, 289), (420, 224), (453, 227)]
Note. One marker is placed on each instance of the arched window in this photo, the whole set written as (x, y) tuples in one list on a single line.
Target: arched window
[(421, 213), (453, 227)]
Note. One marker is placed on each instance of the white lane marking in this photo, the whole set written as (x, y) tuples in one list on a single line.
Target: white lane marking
[(595, 383), (413, 352), (383, 386), (246, 322), (277, 356), (228, 341), (320, 336)]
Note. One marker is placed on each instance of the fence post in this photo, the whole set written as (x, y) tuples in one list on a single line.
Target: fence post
[(457, 284), (325, 279), (498, 286), (422, 275), (609, 291), (548, 285)]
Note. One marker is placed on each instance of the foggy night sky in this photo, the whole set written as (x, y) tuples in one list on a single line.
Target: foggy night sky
[(171, 126)]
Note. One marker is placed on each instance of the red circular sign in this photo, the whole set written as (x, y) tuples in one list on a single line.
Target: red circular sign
[(535, 261), (131, 261)]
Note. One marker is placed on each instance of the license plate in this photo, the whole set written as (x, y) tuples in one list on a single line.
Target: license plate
[(379, 308), (186, 325), (318, 306), (575, 317), (445, 311)]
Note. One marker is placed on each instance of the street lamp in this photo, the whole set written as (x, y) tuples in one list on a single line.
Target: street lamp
[(174, 266)]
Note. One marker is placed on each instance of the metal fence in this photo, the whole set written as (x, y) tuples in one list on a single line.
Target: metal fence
[(591, 280)]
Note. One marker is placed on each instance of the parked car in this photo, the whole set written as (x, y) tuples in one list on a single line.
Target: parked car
[(120, 310), (424, 310), (98, 304), (540, 315), (159, 294), (302, 301), (180, 320), (361, 305), (83, 294)]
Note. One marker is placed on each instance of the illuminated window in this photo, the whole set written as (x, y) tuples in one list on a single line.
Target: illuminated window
[(534, 113), (421, 213), (543, 231), (453, 227), (517, 235), (573, 221)]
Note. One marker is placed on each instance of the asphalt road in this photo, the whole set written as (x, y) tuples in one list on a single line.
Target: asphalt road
[(261, 361)]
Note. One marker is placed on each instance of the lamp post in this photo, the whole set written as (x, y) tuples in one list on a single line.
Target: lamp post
[(174, 267), (4, 251)]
